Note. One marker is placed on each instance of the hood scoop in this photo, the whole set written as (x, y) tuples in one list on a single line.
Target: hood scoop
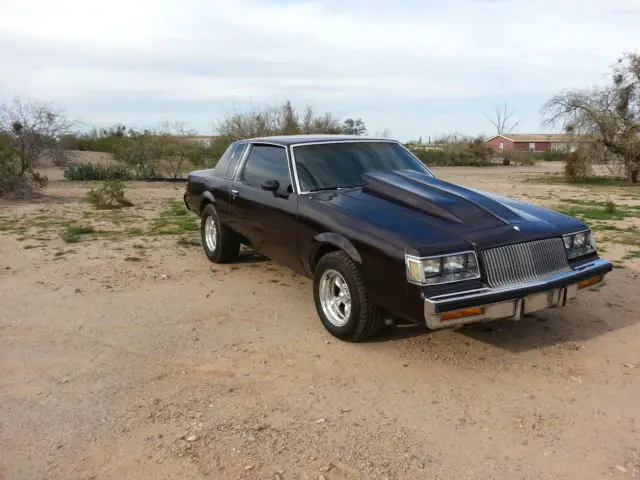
[(431, 196)]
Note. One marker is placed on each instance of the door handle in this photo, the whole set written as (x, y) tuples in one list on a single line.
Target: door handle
[(235, 191)]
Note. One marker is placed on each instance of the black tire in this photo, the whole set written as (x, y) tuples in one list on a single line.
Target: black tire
[(365, 319), (227, 244)]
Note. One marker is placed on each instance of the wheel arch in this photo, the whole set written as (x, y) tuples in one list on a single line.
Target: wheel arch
[(328, 242), (207, 198)]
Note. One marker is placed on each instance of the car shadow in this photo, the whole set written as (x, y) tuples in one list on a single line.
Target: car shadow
[(598, 312), (399, 332), (250, 257)]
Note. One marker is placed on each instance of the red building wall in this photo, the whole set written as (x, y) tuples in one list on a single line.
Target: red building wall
[(506, 144), (524, 146)]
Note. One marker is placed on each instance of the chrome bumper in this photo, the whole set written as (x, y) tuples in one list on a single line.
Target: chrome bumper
[(487, 304)]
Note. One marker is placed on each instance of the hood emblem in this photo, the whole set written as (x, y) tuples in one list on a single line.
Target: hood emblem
[(516, 228)]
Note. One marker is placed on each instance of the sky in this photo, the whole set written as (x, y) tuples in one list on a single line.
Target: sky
[(416, 68)]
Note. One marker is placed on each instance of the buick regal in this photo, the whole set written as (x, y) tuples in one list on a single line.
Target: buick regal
[(383, 238)]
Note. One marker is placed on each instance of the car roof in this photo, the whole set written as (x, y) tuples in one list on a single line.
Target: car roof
[(295, 139)]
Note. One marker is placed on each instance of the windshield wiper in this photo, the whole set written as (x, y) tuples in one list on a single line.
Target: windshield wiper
[(324, 189)]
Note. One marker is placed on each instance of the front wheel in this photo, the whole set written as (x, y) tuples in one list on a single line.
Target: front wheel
[(342, 301), (219, 243)]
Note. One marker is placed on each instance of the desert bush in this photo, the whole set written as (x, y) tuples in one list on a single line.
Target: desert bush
[(553, 156), (452, 152), (102, 140), (519, 158), (610, 207), (110, 195), (578, 167), (91, 171)]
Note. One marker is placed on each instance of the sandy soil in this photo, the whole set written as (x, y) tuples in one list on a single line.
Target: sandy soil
[(171, 367)]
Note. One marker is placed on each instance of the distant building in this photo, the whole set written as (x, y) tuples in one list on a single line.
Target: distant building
[(423, 146), (537, 142), (204, 140)]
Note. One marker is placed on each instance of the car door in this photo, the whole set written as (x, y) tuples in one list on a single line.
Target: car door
[(268, 219), (227, 167)]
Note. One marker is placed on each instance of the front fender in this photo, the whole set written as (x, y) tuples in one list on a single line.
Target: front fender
[(337, 240)]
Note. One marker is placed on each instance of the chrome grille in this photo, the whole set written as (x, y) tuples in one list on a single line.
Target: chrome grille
[(525, 262)]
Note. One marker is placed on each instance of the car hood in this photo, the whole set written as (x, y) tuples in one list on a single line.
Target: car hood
[(433, 215)]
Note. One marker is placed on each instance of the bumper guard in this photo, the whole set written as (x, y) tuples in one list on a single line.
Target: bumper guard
[(487, 304)]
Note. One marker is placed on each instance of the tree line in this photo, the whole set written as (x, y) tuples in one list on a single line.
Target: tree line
[(33, 132)]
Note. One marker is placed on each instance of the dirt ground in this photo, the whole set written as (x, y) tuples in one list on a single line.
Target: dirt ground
[(130, 356)]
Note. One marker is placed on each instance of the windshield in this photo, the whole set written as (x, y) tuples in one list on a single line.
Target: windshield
[(341, 165)]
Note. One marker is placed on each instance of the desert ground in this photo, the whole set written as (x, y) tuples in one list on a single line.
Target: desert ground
[(126, 354)]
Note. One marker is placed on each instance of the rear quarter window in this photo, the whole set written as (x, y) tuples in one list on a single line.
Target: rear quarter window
[(228, 159)]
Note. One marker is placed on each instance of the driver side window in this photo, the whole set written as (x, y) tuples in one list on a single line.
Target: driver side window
[(266, 162)]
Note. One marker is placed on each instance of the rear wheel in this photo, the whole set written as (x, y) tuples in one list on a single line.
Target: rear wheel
[(342, 301), (220, 244)]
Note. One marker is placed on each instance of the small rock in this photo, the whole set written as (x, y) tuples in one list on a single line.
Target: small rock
[(192, 438), (621, 468), (327, 342), (345, 410), (249, 467), (78, 290), (321, 477), (163, 277), (321, 420), (326, 468), (405, 364), (629, 365)]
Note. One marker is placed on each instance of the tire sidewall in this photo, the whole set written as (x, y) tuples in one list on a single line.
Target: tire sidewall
[(210, 211), (348, 330)]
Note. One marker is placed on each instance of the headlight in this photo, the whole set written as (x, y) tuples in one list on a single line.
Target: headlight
[(442, 269), (579, 244)]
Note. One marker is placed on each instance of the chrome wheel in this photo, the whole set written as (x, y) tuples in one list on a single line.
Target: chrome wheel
[(335, 298), (210, 233)]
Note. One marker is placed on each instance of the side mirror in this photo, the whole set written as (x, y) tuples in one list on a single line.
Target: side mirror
[(271, 185)]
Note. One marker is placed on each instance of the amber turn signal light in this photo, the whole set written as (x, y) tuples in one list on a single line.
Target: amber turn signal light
[(589, 282), (467, 312)]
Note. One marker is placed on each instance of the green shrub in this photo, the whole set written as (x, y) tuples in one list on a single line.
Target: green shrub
[(464, 157), (109, 196), (90, 171), (577, 168), (554, 156), (610, 207), (73, 233)]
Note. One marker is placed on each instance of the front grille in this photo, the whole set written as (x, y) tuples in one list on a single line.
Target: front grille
[(525, 262)]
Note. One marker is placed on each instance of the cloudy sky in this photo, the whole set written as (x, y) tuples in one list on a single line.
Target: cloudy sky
[(415, 67)]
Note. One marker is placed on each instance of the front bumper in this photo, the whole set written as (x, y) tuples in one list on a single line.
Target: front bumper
[(486, 304)]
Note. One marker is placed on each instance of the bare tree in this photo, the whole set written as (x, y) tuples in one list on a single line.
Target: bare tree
[(307, 120), (174, 146), (502, 119), (35, 129), (31, 133), (610, 115)]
